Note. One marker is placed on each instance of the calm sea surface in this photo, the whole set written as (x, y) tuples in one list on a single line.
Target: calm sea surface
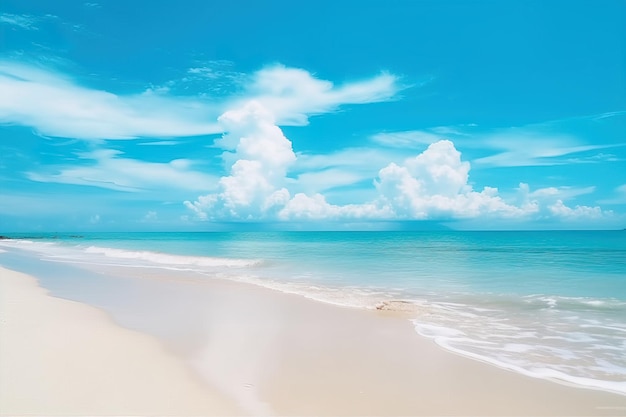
[(546, 304)]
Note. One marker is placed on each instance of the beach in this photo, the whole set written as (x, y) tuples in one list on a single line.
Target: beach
[(262, 352), (59, 357)]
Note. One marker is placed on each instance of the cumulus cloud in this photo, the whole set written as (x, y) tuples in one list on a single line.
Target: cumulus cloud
[(257, 153), (261, 155), (432, 185), (304, 207), (548, 203)]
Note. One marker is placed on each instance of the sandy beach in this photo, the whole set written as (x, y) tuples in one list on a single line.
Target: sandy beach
[(266, 353), (59, 357)]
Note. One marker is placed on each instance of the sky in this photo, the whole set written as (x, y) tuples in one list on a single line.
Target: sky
[(348, 115)]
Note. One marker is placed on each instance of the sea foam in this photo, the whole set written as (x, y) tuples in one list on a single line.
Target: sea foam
[(169, 259)]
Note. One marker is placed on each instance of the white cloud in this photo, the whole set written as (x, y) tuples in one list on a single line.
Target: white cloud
[(560, 210), (151, 216), (555, 142), (110, 171), (313, 182), (563, 193), (262, 155), (56, 106), (548, 203), (292, 95), (548, 143), (160, 143), (406, 139), (435, 185), (24, 21), (431, 185), (257, 152), (618, 196), (303, 207), (356, 159)]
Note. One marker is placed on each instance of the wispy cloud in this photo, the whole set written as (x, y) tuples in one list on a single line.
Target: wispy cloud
[(56, 106), (107, 169), (160, 143), (618, 196), (556, 142), (406, 139), (292, 95), (24, 21)]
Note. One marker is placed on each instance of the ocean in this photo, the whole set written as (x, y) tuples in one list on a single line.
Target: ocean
[(548, 304)]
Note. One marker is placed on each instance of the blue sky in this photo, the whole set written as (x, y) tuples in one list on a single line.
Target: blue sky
[(206, 115)]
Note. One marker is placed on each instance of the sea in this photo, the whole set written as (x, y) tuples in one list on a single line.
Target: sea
[(547, 304)]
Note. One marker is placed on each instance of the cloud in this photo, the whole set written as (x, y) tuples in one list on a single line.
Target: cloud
[(356, 159), (315, 173), (618, 196), (213, 78), (304, 207), (292, 95), (150, 216), (406, 139), (536, 150), (160, 143), (262, 155), (313, 182), (434, 185), (112, 172), (257, 152), (560, 210), (555, 142), (24, 21), (55, 105)]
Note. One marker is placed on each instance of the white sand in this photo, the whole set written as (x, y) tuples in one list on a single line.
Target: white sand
[(271, 352), (59, 357)]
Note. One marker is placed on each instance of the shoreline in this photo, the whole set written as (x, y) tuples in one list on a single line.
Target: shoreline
[(279, 354)]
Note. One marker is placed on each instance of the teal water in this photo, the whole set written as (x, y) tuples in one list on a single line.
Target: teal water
[(546, 304)]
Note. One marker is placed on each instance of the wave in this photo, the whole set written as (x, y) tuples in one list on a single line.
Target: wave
[(572, 303), (172, 260), (573, 340), (459, 342)]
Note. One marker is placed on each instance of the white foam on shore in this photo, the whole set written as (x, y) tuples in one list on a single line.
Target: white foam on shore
[(558, 353), (168, 259)]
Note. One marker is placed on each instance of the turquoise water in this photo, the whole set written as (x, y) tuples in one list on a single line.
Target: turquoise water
[(546, 304)]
